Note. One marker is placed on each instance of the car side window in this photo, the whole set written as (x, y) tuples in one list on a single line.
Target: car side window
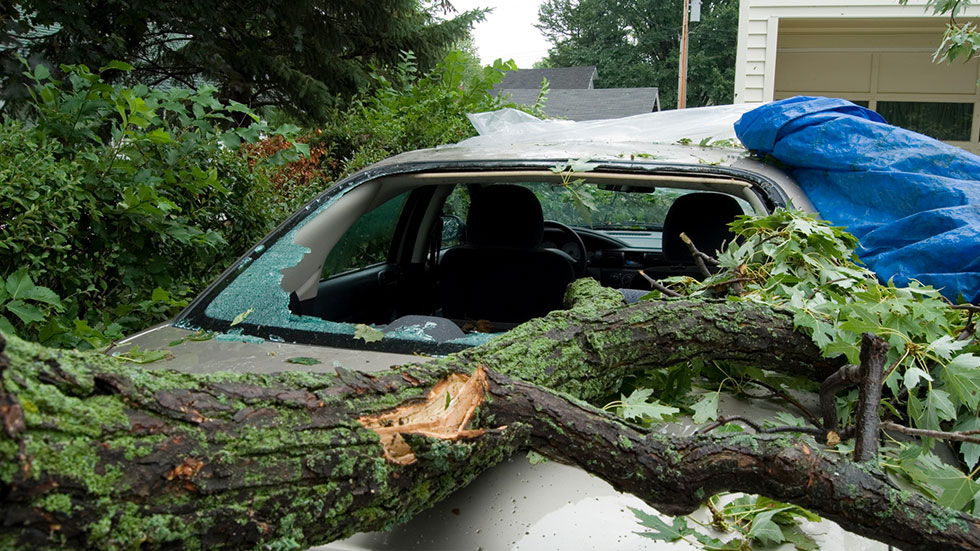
[(368, 241)]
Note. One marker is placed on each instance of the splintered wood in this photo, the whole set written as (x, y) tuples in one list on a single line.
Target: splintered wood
[(444, 414)]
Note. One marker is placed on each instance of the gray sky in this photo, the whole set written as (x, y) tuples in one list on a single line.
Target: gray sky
[(508, 32)]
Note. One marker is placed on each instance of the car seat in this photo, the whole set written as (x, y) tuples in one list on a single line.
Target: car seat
[(502, 274), (703, 217)]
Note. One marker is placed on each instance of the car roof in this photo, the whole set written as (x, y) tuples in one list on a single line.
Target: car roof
[(481, 153), (617, 151)]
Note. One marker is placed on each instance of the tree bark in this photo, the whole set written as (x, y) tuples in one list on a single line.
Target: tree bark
[(100, 454)]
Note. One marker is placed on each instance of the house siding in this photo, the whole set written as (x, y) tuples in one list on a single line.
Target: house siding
[(869, 51), (758, 28)]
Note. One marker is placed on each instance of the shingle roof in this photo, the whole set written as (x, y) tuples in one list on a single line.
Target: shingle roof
[(558, 78), (596, 103)]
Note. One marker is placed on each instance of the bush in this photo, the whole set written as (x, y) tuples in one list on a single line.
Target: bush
[(123, 202), (406, 111)]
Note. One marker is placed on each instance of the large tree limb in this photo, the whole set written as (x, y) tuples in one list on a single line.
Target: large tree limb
[(676, 474), (98, 454)]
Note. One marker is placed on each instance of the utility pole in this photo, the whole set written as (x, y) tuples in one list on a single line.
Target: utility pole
[(694, 8), (682, 76)]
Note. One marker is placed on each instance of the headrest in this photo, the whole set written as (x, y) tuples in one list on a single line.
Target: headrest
[(704, 217), (505, 216)]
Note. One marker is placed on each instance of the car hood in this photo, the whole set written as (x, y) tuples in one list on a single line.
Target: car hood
[(192, 352)]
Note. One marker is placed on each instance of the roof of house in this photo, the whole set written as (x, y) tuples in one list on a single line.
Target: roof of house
[(590, 104), (559, 77)]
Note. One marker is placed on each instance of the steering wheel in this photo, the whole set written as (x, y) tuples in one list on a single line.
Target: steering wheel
[(572, 246)]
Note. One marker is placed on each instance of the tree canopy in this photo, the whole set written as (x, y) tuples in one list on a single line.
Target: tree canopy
[(297, 55), (636, 43)]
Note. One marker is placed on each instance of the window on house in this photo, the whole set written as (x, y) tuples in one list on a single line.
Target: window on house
[(943, 121)]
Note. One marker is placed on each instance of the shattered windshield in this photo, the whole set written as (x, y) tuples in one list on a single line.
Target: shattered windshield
[(364, 268)]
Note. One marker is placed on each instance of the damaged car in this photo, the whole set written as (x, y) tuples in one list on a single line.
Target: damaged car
[(431, 252)]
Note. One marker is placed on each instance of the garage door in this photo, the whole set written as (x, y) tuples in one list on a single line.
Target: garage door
[(886, 65)]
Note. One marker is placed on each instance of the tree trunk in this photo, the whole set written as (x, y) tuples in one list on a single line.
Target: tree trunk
[(99, 454)]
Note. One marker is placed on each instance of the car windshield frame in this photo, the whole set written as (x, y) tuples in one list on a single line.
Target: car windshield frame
[(245, 326)]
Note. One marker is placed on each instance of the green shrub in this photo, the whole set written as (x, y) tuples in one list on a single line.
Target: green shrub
[(409, 111), (124, 201)]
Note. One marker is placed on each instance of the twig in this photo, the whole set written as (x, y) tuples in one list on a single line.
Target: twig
[(972, 308), (758, 428), (874, 349), (962, 436), (698, 256), (813, 293), (659, 286), (969, 330), (845, 377), (730, 281), (793, 401)]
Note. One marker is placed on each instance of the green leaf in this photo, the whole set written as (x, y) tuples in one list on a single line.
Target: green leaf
[(43, 294), (19, 283), (302, 148), (706, 409), (787, 419), (764, 530), (28, 313), (962, 378), (118, 65), (536, 458), (660, 530), (303, 360), (638, 405), (958, 488), (161, 295), (241, 317), (159, 136), (970, 452), (800, 539), (41, 72), (913, 375), (142, 356), (945, 346), (367, 333), (6, 327), (582, 165), (231, 140), (928, 414)]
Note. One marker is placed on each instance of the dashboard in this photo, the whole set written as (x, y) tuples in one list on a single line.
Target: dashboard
[(615, 257)]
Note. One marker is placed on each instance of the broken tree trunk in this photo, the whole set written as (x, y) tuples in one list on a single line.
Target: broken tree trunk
[(98, 454)]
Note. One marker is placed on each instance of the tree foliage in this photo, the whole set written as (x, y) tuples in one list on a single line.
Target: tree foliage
[(961, 39), (932, 371), (296, 55), (636, 43), (119, 203), (162, 459)]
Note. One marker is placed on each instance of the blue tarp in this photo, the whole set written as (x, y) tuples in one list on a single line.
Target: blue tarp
[(914, 202)]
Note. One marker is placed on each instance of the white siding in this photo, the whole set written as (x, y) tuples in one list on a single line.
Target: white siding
[(863, 50), (754, 24)]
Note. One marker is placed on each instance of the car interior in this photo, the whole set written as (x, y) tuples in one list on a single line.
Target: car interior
[(486, 251)]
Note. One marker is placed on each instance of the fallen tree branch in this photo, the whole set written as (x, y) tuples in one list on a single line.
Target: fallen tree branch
[(698, 256), (874, 350), (97, 454), (656, 285), (845, 377), (812, 431), (675, 474), (970, 436)]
